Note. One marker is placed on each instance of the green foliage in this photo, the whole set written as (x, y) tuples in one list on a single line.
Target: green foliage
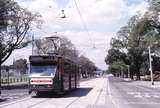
[(114, 55), (21, 66), (132, 41), (17, 23), (65, 48), (117, 67)]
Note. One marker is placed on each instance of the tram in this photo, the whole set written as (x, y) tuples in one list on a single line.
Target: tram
[(52, 73)]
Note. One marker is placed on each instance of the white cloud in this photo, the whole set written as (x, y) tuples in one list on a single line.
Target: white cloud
[(102, 17), (142, 7)]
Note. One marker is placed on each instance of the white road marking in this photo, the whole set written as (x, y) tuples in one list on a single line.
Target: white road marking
[(133, 93), (155, 96), (143, 103), (138, 96), (144, 94)]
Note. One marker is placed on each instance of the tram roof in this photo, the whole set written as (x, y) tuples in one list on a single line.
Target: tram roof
[(57, 56)]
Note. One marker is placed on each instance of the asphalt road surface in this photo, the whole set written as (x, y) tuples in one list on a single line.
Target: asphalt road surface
[(106, 92), (126, 94), (91, 94), (12, 94)]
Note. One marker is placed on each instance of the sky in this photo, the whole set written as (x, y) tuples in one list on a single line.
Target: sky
[(91, 34)]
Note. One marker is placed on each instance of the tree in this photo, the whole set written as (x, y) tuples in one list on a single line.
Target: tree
[(21, 66), (18, 22), (61, 46), (87, 66), (118, 68), (64, 47), (115, 55), (131, 43), (3, 22), (134, 38), (14, 28)]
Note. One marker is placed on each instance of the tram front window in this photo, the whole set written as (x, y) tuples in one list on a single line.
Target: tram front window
[(43, 70)]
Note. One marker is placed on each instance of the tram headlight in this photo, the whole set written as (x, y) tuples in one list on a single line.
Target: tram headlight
[(49, 86), (34, 86)]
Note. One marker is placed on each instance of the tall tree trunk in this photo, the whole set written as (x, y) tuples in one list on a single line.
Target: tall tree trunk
[(138, 72), (131, 75), (0, 75), (138, 76), (0, 65)]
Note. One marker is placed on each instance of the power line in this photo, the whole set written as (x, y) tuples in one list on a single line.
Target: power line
[(83, 22)]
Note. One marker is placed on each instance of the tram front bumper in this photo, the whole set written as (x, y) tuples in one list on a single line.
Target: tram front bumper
[(40, 88)]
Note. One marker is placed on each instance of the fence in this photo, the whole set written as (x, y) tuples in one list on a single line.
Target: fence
[(11, 80)]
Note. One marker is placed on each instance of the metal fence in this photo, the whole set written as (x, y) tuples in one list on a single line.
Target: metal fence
[(11, 80)]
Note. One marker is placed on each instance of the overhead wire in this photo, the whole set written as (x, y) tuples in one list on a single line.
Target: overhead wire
[(84, 23)]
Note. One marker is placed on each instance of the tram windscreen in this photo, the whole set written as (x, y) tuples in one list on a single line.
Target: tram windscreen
[(43, 70)]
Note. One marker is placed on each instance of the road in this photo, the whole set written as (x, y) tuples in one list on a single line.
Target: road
[(126, 94), (13, 94), (107, 92), (92, 93)]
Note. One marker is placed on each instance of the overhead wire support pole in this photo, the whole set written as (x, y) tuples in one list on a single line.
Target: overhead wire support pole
[(32, 43)]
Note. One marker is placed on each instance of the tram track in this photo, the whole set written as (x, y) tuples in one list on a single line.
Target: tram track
[(30, 99), (69, 100), (40, 102), (101, 90), (72, 102), (98, 97), (25, 99), (15, 102)]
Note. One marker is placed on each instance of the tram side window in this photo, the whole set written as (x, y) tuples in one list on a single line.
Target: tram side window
[(74, 70), (67, 67)]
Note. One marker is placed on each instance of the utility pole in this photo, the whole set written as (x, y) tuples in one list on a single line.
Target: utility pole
[(32, 43), (150, 65)]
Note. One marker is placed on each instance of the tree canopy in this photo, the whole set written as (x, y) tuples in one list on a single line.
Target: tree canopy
[(64, 47), (133, 40), (14, 27)]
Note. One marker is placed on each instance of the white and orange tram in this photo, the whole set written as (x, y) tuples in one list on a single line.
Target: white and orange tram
[(52, 73)]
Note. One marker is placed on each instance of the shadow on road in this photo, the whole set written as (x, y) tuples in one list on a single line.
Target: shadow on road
[(2, 100), (78, 92), (74, 93)]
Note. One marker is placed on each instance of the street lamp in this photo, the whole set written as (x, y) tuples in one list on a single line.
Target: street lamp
[(63, 14), (150, 65)]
